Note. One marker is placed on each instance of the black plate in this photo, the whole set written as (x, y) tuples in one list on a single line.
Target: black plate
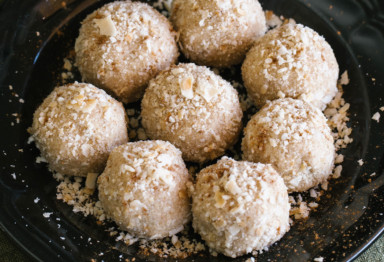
[(350, 215)]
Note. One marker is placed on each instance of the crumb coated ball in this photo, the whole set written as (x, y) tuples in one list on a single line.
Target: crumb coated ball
[(294, 137), (239, 206), (194, 109), (77, 126), (217, 33), (291, 61), (122, 45), (144, 189)]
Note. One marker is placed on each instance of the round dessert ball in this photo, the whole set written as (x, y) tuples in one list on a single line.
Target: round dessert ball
[(76, 127), (291, 61), (144, 189), (294, 137), (217, 33), (194, 109), (239, 206), (122, 45)]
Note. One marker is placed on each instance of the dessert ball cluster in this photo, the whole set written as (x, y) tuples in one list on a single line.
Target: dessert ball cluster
[(192, 114)]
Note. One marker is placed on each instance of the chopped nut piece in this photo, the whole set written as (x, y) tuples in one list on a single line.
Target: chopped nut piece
[(90, 182), (106, 26), (186, 87)]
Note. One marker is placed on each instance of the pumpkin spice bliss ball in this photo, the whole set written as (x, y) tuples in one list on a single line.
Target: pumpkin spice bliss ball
[(295, 138), (122, 45), (217, 33), (194, 109), (239, 206), (76, 127), (144, 189), (291, 61)]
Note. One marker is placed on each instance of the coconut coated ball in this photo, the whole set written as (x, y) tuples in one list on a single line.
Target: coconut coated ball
[(239, 206), (194, 109), (122, 45), (294, 137), (144, 189), (217, 33), (291, 61), (76, 127)]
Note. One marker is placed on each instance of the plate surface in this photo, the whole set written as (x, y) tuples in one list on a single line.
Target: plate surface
[(35, 36)]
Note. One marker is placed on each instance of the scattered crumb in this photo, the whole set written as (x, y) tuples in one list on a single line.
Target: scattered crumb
[(183, 247), (339, 159), (67, 64), (13, 176), (273, 20), (337, 171), (301, 211), (344, 79), (40, 159), (336, 113), (36, 200), (47, 214), (319, 259), (376, 117), (360, 161), (164, 5), (324, 185)]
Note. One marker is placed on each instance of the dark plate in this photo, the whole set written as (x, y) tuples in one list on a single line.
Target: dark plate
[(349, 217)]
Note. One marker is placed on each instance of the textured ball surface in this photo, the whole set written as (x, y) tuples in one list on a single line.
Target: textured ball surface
[(144, 189), (291, 61), (294, 137), (239, 206), (76, 127), (217, 33), (122, 45), (194, 109)]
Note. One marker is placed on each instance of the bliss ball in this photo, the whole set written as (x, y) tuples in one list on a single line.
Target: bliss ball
[(194, 109), (144, 189), (217, 33), (122, 45), (76, 127), (294, 137), (291, 61), (239, 206)]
